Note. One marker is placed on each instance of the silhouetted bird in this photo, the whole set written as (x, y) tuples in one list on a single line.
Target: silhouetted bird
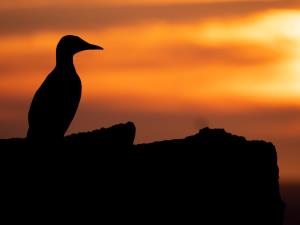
[(55, 103)]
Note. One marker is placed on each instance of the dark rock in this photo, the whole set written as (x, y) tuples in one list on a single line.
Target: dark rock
[(212, 177), (118, 136), (221, 177)]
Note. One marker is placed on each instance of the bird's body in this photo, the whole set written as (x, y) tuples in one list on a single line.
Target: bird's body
[(56, 101), (54, 105)]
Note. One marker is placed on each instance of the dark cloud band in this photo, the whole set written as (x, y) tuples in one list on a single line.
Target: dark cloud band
[(61, 18)]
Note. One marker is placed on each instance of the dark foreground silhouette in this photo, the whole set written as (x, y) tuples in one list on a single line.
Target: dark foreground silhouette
[(55, 103), (212, 177)]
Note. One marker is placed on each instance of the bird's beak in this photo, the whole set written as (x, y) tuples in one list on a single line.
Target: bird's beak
[(89, 46)]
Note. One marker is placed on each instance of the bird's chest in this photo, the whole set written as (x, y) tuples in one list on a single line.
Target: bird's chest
[(67, 89)]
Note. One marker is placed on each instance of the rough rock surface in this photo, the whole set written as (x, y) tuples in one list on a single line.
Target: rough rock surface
[(212, 177)]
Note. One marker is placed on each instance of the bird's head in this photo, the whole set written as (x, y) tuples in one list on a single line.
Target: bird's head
[(70, 45)]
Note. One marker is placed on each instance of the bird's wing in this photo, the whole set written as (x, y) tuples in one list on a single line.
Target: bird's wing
[(54, 105), (44, 110)]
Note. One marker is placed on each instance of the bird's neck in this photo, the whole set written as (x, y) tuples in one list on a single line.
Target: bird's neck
[(64, 62)]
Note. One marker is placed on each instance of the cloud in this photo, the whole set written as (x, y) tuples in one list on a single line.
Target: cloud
[(78, 17), (48, 3), (239, 54)]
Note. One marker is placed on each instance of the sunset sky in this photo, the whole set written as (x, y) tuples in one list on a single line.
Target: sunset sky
[(170, 66)]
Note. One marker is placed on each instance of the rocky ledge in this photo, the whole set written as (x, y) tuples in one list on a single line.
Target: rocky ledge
[(212, 177)]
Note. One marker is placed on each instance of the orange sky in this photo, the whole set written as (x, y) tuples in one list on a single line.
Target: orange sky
[(171, 67)]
